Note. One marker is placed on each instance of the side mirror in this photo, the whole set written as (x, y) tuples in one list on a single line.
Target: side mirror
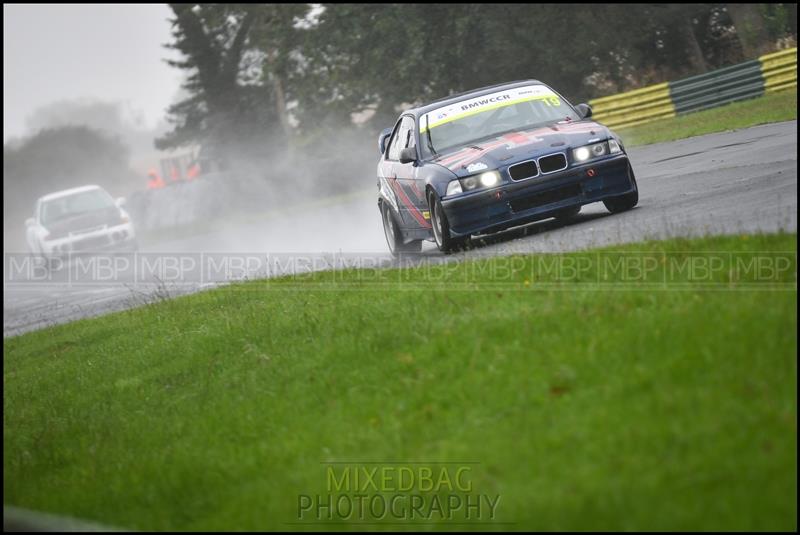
[(408, 155), (120, 202), (585, 110), (384, 135), (30, 222)]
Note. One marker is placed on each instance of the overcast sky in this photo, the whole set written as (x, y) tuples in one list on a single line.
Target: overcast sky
[(107, 52)]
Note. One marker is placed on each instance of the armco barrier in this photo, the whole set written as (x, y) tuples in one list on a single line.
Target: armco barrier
[(780, 70), (634, 107), (769, 73), (715, 88)]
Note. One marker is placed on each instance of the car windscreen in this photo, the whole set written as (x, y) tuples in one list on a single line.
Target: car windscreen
[(503, 111), (75, 204)]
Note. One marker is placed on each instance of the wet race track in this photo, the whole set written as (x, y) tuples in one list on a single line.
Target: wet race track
[(742, 181)]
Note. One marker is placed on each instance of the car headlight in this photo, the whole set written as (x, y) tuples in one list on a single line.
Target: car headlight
[(489, 179), (453, 187), (596, 150), (581, 154)]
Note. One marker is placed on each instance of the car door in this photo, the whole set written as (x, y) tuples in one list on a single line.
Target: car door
[(386, 172), (406, 185)]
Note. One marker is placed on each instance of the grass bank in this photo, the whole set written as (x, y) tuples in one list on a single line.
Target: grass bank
[(586, 393)]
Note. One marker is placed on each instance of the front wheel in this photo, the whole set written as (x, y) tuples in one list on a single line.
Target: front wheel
[(36, 254), (624, 202), (394, 238), (441, 227)]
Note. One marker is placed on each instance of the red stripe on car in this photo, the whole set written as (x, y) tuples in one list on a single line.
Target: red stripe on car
[(407, 202)]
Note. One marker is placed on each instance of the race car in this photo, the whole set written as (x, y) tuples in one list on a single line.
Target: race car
[(494, 158), (79, 220)]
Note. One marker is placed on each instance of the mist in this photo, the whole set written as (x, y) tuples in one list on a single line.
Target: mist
[(320, 198), (280, 105)]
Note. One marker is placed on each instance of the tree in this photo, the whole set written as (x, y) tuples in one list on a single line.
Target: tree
[(60, 158), (112, 118), (231, 115), (275, 37), (380, 57), (383, 57), (683, 17), (750, 28)]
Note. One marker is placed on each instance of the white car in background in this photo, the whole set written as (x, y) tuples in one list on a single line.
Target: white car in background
[(79, 220)]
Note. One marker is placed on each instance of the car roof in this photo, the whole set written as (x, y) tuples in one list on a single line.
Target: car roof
[(452, 99), (66, 192)]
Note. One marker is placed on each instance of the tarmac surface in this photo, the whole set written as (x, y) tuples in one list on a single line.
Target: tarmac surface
[(724, 183)]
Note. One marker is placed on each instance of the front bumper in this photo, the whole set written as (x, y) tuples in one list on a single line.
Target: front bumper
[(515, 203), (119, 238)]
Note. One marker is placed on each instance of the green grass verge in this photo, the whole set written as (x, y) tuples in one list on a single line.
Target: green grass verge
[(772, 108), (590, 401)]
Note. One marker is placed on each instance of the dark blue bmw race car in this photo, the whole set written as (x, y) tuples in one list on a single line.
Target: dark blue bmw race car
[(494, 158)]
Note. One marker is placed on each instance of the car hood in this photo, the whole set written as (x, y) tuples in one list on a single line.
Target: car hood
[(84, 222), (521, 145)]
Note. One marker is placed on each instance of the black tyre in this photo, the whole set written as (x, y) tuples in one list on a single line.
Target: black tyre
[(441, 227), (394, 238), (42, 260), (567, 213), (624, 202)]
